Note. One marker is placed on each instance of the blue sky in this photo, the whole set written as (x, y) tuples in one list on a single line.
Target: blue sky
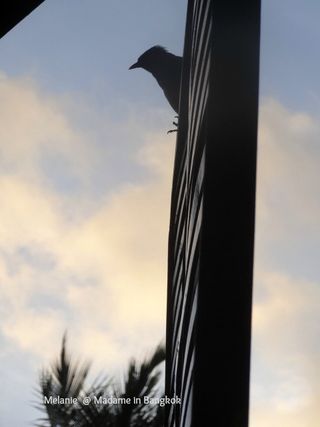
[(85, 176), (83, 46), (289, 62)]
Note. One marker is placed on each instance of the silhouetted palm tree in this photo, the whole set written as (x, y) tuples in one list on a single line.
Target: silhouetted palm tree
[(79, 406)]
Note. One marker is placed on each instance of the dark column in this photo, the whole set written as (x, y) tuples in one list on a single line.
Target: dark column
[(222, 368), (212, 216)]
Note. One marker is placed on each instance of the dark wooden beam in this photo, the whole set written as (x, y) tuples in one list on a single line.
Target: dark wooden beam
[(211, 240), (222, 368), (13, 11)]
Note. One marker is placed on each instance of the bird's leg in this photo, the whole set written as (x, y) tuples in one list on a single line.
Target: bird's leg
[(172, 130), (175, 124)]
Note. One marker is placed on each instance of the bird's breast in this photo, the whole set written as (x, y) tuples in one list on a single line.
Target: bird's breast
[(171, 88)]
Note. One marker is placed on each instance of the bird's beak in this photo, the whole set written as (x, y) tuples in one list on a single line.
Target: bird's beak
[(136, 65)]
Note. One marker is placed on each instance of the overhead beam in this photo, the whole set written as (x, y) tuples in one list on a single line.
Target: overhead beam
[(14, 11)]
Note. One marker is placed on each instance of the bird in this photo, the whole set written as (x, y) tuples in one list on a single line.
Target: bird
[(166, 69)]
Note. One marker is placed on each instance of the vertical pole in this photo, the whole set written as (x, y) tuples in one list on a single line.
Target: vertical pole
[(222, 368)]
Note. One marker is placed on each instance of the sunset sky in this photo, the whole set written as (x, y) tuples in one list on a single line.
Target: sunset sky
[(85, 178)]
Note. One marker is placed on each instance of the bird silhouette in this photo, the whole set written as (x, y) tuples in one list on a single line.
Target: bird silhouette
[(166, 69)]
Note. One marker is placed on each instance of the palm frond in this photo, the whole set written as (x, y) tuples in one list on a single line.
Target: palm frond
[(140, 381), (66, 379)]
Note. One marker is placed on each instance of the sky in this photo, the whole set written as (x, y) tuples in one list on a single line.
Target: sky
[(85, 179)]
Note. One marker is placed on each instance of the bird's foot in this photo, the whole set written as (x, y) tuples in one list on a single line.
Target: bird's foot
[(172, 130), (175, 124)]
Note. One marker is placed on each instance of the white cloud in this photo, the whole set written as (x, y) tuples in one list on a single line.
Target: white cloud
[(100, 272), (288, 169), (35, 331), (285, 376), (97, 266), (285, 373), (34, 127)]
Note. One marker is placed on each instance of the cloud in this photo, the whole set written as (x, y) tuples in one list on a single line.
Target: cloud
[(94, 266), (31, 330), (285, 355), (284, 385), (34, 130), (288, 169), (94, 262)]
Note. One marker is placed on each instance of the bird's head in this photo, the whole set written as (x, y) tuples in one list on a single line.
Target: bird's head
[(151, 58)]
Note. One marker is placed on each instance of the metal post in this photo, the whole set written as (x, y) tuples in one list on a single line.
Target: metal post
[(212, 218)]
